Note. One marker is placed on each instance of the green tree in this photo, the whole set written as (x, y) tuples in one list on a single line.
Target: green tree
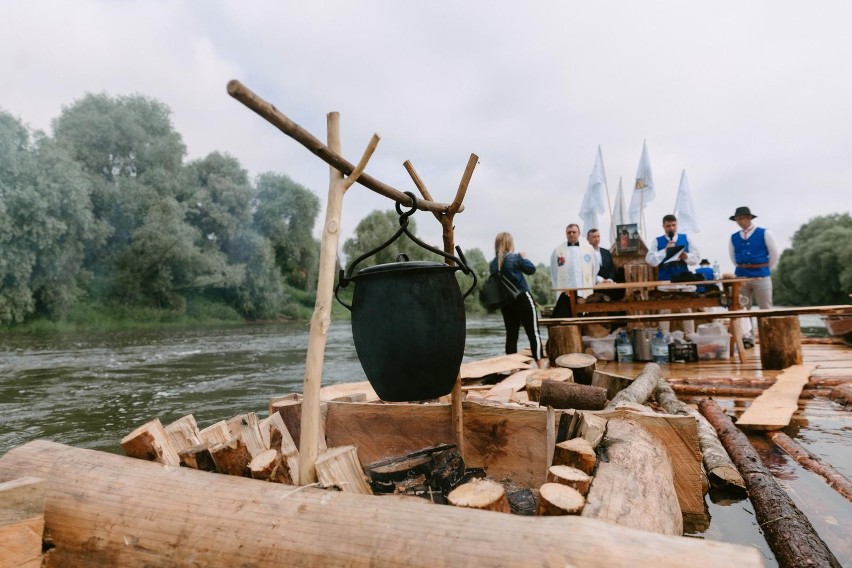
[(285, 214), (46, 224), (817, 269), (375, 229), (479, 265), (540, 285)]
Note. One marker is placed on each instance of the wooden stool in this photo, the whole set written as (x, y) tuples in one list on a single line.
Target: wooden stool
[(780, 341)]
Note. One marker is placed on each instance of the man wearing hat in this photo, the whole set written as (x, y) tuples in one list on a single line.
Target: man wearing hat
[(705, 271), (754, 253)]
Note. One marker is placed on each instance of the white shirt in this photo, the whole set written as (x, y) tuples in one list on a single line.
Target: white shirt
[(579, 267), (655, 257), (768, 238)]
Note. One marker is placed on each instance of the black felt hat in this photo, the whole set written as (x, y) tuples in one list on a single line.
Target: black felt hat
[(740, 212), (704, 261)]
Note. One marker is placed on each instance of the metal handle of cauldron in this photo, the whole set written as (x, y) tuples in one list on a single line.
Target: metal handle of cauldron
[(345, 277)]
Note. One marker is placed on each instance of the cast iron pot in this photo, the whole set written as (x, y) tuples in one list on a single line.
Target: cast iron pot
[(408, 325)]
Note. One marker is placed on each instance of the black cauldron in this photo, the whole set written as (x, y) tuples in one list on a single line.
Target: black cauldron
[(408, 322)]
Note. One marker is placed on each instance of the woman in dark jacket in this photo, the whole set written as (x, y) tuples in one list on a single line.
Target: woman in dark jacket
[(522, 311)]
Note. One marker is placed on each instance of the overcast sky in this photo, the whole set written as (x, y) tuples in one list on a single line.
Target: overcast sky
[(752, 98)]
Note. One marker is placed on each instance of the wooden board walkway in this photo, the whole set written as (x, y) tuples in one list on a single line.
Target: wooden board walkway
[(773, 409)]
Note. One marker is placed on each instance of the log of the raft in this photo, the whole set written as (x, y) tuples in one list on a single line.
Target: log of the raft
[(741, 392), (562, 339), (151, 443), (570, 476), (721, 471), (633, 484), (787, 530), (582, 366), (555, 499), (158, 507), (780, 341), (270, 466), (21, 522), (640, 389), (339, 467), (558, 394), (577, 453), (480, 494), (808, 460), (197, 457)]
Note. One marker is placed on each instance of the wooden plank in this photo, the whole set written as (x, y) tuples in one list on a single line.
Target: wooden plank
[(501, 364), (504, 390), (506, 441), (21, 522), (774, 409), (141, 514), (331, 392)]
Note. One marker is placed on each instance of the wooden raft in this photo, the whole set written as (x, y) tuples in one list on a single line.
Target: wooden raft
[(774, 409), (128, 512)]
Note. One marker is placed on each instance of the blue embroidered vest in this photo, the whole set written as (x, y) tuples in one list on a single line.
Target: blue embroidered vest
[(751, 251), (669, 269)]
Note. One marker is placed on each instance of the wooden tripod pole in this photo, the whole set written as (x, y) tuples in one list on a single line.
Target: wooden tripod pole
[(448, 235), (321, 319)]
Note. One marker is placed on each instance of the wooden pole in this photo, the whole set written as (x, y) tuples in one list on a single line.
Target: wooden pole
[(321, 319), (788, 531), (327, 154), (132, 513)]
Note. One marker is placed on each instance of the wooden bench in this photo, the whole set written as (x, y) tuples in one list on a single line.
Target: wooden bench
[(706, 316)]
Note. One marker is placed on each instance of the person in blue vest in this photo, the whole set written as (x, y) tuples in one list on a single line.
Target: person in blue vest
[(705, 271), (671, 265), (755, 254)]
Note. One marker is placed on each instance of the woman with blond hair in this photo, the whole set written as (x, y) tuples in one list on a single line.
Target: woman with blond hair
[(522, 310)]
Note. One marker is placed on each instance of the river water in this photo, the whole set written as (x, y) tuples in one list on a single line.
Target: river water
[(89, 389)]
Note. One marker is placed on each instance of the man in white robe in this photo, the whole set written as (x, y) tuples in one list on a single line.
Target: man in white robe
[(573, 264)]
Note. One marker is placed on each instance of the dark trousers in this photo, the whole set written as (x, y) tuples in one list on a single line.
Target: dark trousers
[(522, 312)]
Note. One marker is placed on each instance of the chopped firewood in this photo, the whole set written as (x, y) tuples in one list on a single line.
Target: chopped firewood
[(150, 442), (183, 433), (591, 427), (577, 453), (232, 458), (339, 467), (215, 434), (246, 427), (558, 394), (269, 466), (521, 501), (570, 476), (480, 494), (281, 440), (197, 457), (557, 499), (533, 388)]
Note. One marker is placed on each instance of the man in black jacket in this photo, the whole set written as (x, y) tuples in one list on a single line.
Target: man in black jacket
[(607, 270)]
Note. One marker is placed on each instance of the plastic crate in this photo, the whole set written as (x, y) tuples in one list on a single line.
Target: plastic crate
[(687, 352)]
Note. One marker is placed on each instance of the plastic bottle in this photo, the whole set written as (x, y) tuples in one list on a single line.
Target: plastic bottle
[(717, 273), (624, 348), (659, 349)]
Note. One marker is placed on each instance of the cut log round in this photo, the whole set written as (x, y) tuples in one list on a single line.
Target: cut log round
[(150, 442), (533, 388), (581, 365), (562, 339), (232, 458), (554, 374), (557, 499), (570, 476), (788, 531), (780, 341), (557, 394), (577, 453), (197, 457), (480, 494), (269, 466)]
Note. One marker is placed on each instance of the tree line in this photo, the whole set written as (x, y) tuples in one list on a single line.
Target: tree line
[(108, 212)]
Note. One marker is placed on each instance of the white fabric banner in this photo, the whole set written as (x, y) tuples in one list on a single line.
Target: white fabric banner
[(619, 216), (687, 220), (594, 201), (643, 191)]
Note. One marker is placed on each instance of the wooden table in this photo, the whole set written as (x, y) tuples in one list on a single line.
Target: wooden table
[(731, 287)]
